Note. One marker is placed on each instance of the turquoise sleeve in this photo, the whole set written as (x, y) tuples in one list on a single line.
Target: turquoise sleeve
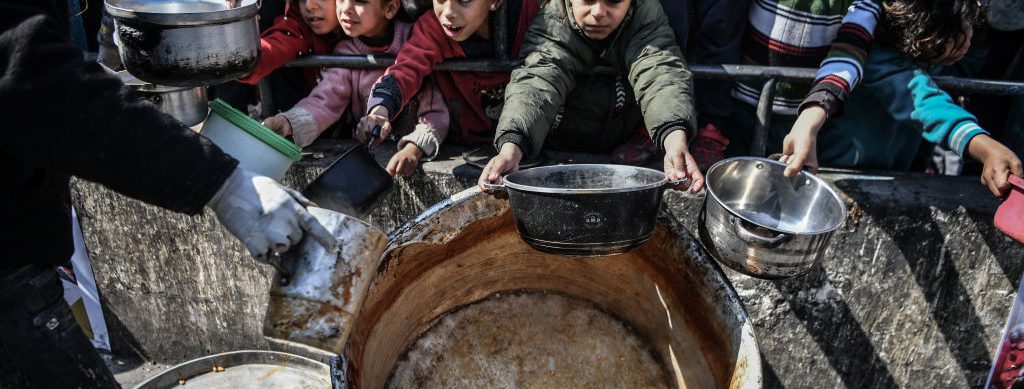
[(913, 99)]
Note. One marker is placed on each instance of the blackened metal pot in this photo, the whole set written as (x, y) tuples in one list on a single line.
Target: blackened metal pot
[(186, 42), (351, 185), (763, 224), (588, 209)]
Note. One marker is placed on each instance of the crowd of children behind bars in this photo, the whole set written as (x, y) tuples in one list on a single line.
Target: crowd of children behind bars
[(873, 103)]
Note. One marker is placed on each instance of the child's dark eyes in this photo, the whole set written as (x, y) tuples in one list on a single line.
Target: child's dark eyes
[(465, 2)]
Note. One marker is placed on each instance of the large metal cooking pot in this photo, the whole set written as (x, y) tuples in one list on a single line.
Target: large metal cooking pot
[(761, 223), (186, 42), (187, 104), (585, 209)]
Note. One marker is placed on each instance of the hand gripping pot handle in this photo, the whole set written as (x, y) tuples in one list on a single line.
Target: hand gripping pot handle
[(758, 240)]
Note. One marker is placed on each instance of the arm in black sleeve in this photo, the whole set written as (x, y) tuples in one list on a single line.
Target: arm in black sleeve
[(67, 115)]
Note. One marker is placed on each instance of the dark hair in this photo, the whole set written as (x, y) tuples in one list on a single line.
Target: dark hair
[(923, 28)]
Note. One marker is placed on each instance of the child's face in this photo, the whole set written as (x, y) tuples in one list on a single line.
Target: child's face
[(319, 15), (367, 18), (598, 18), (460, 19)]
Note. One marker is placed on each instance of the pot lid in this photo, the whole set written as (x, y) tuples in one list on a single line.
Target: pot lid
[(256, 129)]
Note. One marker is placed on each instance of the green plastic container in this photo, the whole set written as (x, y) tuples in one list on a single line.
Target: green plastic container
[(256, 147)]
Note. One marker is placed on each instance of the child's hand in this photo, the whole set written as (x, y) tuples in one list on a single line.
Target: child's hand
[(679, 163), (799, 147), (405, 161), (999, 162), (378, 117), (278, 124), (506, 161)]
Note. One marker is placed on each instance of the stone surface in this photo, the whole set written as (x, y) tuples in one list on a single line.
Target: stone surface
[(913, 292)]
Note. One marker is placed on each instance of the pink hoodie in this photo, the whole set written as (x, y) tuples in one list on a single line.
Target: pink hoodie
[(342, 89)]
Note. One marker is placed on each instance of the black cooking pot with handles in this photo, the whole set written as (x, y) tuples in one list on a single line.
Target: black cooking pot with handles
[(587, 209), (352, 184)]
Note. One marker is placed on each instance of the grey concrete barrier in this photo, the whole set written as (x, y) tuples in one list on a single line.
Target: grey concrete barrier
[(912, 292)]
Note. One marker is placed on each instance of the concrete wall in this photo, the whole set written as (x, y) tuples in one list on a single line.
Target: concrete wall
[(913, 292)]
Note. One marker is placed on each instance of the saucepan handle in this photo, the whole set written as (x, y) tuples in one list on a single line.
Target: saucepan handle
[(684, 182), (758, 240), (374, 134), (499, 187)]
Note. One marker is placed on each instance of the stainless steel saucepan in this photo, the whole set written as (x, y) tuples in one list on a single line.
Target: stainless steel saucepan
[(761, 223)]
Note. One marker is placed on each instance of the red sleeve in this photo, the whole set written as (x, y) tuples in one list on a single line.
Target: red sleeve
[(530, 9), (427, 46), (280, 44)]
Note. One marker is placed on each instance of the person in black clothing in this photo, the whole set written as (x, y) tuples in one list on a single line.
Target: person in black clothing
[(63, 117)]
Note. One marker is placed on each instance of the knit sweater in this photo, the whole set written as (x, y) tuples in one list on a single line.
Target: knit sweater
[(343, 88), (832, 34)]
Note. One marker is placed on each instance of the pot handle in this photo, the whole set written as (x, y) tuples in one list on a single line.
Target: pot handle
[(677, 183), (496, 187), (758, 240)]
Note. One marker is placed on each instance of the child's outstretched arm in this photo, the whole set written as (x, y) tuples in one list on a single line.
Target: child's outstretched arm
[(913, 98), (425, 140), (664, 89), (538, 88), (839, 74), (324, 105), (415, 61)]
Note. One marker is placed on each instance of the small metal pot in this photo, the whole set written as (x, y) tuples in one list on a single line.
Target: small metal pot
[(585, 209), (186, 42), (763, 224), (187, 104)]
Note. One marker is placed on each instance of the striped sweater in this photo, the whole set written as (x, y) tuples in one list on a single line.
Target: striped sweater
[(832, 34)]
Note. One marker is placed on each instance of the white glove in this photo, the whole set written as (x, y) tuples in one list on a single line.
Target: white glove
[(265, 215)]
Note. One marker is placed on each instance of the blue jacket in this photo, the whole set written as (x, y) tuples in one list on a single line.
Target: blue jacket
[(896, 105)]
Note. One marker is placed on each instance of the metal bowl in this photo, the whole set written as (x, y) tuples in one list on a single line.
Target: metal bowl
[(761, 223), (186, 43)]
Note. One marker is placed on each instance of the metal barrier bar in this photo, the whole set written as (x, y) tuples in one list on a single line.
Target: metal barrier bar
[(501, 32), (740, 72), (764, 118)]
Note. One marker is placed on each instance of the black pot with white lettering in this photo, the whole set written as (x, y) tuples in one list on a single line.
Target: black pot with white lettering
[(585, 210)]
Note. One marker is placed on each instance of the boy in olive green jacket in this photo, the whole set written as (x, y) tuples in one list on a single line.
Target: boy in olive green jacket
[(548, 102)]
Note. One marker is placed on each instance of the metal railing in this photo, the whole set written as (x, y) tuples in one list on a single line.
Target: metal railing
[(738, 72), (769, 74)]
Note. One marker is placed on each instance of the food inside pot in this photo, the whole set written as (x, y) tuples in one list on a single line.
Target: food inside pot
[(530, 339)]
